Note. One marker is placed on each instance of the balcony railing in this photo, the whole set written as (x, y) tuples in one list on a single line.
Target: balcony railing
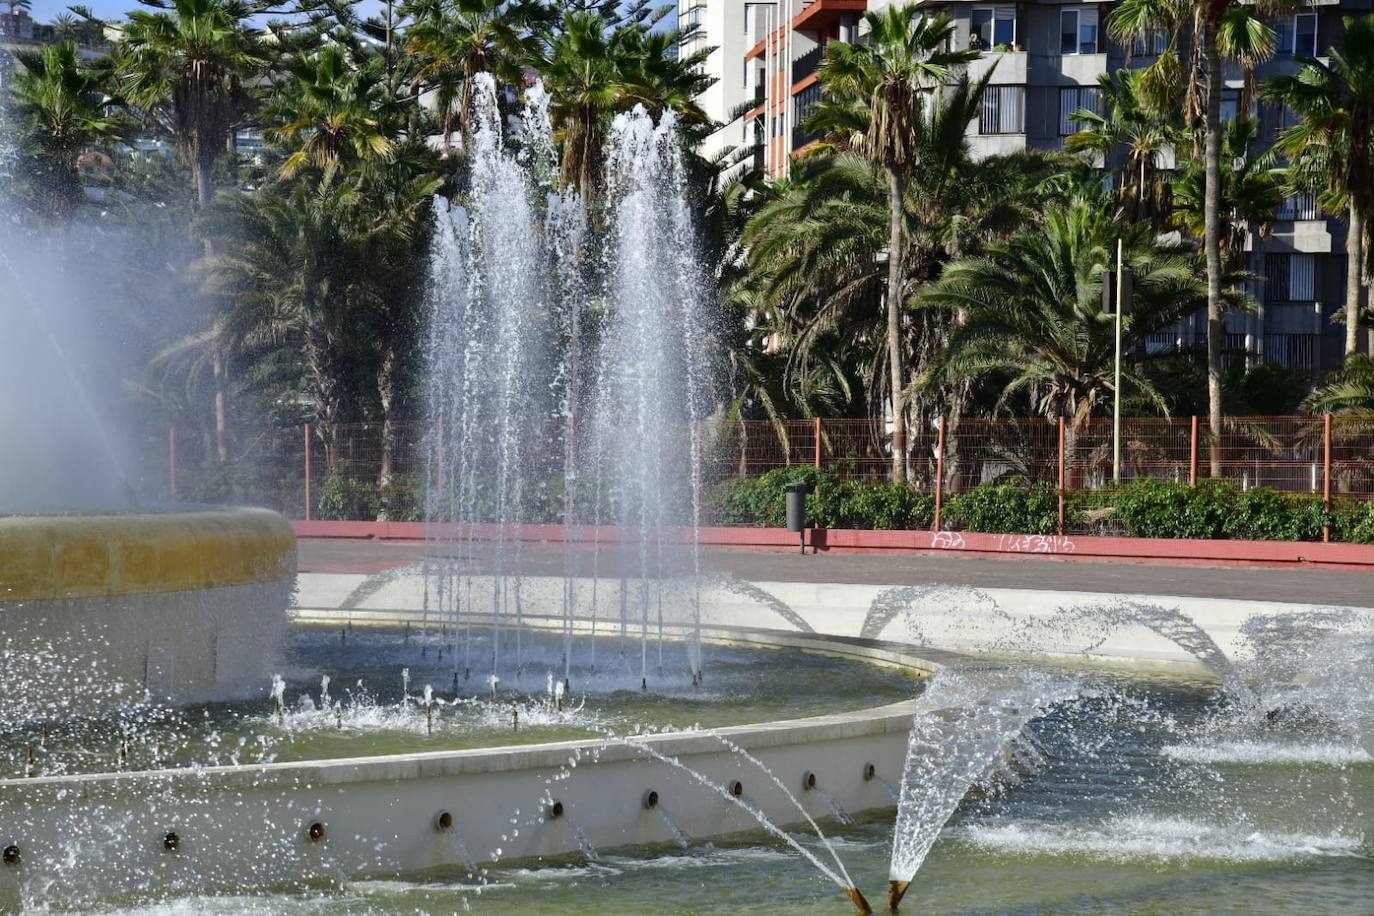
[(1303, 206), (807, 64)]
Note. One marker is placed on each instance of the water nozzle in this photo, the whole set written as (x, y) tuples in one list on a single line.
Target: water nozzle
[(808, 780), (858, 900), (555, 810), (869, 772), (443, 821), (10, 855), (895, 891), (650, 800), (315, 831), (737, 788), (170, 841)]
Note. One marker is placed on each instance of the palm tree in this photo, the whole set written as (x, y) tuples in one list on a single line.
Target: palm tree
[(327, 114), (1332, 145), (1215, 28), (61, 109), (452, 41), (1348, 390), (188, 70), (289, 258), (881, 88), (583, 76), (1143, 134), (1033, 310), (1251, 192)]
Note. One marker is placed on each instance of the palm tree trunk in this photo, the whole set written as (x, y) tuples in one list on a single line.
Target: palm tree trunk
[(221, 431), (1216, 328), (1354, 259), (896, 196)]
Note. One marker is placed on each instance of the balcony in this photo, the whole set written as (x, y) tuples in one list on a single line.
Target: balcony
[(823, 15), (1298, 208), (807, 64), (1010, 67)]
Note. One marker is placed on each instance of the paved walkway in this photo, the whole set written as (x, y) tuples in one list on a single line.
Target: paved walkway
[(1293, 585)]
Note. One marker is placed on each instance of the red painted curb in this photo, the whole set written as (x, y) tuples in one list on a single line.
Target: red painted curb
[(1353, 557)]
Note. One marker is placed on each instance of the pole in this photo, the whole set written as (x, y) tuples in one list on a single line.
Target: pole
[(307, 472), (1192, 456), (1061, 476), (1116, 394), (939, 473), (818, 443), (1326, 477), (172, 461)]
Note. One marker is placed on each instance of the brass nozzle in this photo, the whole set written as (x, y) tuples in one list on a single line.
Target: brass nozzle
[(858, 899), (895, 891)]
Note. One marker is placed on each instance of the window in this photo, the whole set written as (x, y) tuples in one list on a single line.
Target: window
[(1230, 104), (1003, 110), (1071, 100), (1297, 35), (1151, 44), (1078, 31), (992, 27), (1289, 278), (1305, 34)]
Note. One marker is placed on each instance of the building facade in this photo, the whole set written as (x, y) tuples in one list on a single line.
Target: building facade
[(1046, 59)]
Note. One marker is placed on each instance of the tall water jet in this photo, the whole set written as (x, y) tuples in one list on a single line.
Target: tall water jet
[(528, 397)]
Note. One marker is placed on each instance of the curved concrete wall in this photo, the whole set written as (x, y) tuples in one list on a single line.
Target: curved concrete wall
[(86, 836), (182, 606), (50, 558)]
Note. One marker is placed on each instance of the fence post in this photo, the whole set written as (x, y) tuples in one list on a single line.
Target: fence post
[(1326, 477), (172, 461), (1061, 476), (1192, 456), (307, 472), (818, 443), (939, 473)]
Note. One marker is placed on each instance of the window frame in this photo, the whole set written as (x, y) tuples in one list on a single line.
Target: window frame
[(996, 14)]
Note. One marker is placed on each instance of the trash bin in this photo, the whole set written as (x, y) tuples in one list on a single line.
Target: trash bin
[(796, 509)]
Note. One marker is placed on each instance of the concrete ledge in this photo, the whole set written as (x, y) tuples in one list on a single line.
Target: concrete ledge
[(1349, 557), (51, 558)]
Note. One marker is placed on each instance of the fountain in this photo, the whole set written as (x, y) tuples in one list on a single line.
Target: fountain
[(476, 729)]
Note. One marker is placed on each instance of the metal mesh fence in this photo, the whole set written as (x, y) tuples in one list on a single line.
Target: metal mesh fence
[(357, 471)]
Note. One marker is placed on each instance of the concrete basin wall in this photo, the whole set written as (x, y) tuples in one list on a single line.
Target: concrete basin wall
[(183, 605), (94, 836)]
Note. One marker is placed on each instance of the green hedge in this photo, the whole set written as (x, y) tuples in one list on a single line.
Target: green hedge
[(833, 503), (1212, 510)]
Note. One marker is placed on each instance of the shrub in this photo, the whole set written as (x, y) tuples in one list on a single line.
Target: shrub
[(1155, 509), (887, 506), (1264, 514), (1004, 508), (347, 498), (1353, 522)]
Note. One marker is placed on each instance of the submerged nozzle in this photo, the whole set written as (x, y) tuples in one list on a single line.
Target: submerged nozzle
[(858, 900), (896, 890)]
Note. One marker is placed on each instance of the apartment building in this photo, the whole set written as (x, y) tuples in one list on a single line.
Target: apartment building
[(1045, 58)]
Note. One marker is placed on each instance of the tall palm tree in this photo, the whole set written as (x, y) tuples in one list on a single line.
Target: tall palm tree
[(1215, 29), (288, 258), (188, 70), (583, 75), (1142, 133), (327, 114), (887, 82), (1348, 390), (1033, 309), (451, 41), (61, 109), (1332, 145)]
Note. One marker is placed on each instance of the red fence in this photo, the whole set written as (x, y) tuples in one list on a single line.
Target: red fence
[(305, 474)]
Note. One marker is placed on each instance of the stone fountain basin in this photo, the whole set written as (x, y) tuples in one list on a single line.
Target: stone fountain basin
[(251, 826), (182, 604)]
